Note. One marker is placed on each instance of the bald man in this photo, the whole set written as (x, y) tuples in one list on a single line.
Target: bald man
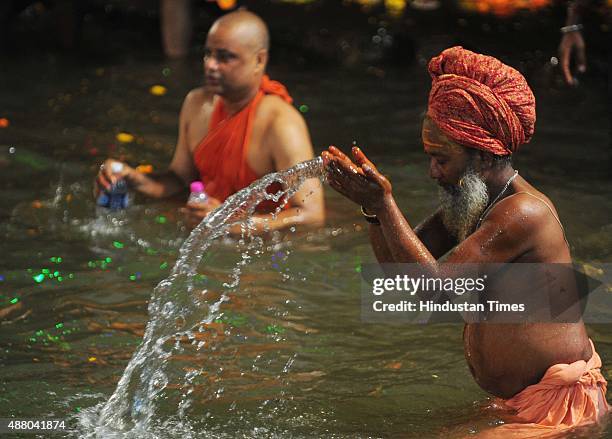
[(237, 127)]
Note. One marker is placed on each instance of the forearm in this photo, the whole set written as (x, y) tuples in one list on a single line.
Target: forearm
[(434, 235), (402, 242), (394, 241), (428, 233), (379, 245), (156, 186)]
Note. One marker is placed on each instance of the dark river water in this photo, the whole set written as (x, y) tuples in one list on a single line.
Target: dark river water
[(296, 359)]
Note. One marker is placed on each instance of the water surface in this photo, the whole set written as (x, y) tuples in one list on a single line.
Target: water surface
[(289, 356)]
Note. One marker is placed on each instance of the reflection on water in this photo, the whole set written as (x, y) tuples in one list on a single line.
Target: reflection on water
[(75, 287)]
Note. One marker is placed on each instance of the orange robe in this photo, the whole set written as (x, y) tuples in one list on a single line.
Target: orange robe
[(221, 156), (567, 396)]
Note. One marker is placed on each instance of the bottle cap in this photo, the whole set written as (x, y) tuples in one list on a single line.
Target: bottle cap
[(116, 167), (196, 186)]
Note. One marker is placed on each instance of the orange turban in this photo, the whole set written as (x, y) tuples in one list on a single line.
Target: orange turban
[(479, 102)]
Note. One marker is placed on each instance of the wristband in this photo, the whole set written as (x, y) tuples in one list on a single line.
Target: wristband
[(372, 219), (571, 28)]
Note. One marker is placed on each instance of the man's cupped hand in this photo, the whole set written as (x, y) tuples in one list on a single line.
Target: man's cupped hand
[(359, 181)]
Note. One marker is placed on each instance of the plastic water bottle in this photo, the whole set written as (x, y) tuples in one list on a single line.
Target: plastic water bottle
[(197, 194), (117, 197)]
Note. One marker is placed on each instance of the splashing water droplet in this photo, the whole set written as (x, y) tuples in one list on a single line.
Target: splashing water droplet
[(131, 408)]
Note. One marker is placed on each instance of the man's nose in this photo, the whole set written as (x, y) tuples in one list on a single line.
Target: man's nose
[(210, 63)]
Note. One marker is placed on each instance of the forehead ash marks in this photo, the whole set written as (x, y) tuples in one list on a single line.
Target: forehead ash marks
[(435, 140)]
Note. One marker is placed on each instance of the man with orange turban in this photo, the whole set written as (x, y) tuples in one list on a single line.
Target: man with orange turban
[(237, 128), (480, 112)]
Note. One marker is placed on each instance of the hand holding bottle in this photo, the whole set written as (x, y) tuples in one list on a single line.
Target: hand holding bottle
[(114, 194), (197, 194), (199, 204), (107, 177)]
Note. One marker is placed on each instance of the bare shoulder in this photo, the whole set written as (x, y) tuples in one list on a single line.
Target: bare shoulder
[(197, 100), (272, 108), (524, 212), (285, 135), (199, 95), (283, 126)]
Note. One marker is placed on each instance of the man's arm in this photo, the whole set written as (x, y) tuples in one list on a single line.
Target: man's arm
[(431, 232), (434, 235), (506, 234), (571, 40), (290, 144), (180, 172), (379, 245)]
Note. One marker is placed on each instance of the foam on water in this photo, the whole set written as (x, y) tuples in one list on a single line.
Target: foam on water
[(178, 310)]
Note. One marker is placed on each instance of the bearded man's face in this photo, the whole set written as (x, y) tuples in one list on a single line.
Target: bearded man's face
[(463, 192), (463, 204)]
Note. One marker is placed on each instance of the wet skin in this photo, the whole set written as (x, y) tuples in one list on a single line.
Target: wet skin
[(503, 358), (234, 62)]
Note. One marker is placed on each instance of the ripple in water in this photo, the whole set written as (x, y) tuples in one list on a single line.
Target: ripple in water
[(179, 310)]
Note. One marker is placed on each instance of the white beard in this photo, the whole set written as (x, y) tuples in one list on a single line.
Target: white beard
[(463, 205)]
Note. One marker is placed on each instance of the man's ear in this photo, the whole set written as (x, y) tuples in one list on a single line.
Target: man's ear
[(261, 59)]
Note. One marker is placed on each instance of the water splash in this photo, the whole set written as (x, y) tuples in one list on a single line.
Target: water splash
[(179, 309)]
